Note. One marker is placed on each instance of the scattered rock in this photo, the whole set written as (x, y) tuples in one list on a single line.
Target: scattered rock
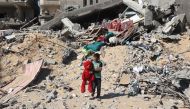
[(51, 95), (86, 105), (50, 62), (68, 55)]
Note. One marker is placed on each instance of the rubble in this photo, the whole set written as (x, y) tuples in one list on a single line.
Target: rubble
[(10, 38), (68, 55), (150, 67), (50, 62), (135, 6), (51, 95), (81, 12), (175, 21)]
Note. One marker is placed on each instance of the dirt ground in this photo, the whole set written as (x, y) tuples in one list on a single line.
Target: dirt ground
[(71, 75)]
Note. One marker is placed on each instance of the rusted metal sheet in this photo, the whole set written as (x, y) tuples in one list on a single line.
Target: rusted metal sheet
[(30, 72)]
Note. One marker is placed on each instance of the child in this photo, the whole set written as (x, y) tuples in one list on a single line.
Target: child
[(97, 65)]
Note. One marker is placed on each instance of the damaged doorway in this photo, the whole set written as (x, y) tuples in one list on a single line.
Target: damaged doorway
[(2, 15)]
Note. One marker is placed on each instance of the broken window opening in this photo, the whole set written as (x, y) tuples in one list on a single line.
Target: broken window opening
[(97, 1), (84, 3), (2, 15), (91, 2)]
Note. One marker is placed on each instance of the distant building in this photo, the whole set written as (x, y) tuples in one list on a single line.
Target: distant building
[(66, 4), (17, 9), (51, 6)]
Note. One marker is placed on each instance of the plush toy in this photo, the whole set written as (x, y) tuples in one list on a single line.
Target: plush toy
[(87, 75)]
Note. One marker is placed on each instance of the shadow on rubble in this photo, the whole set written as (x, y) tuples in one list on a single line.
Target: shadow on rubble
[(68, 59), (44, 72), (112, 95), (184, 84), (168, 40)]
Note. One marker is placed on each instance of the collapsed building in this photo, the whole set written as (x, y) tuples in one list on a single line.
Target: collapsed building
[(16, 9), (15, 12), (155, 57)]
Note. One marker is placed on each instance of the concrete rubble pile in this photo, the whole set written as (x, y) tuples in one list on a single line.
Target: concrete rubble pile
[(32, 45), (146, 28), (162, 78), (10, 23)]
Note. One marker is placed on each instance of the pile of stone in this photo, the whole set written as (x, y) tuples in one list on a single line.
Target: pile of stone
[(152, 20), (156, 71), (160, 16)]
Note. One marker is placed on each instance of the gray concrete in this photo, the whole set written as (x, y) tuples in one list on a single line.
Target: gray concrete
[(135, 6), (184, 7), (80, 12)]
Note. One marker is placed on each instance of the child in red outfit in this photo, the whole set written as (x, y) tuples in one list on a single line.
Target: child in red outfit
[(87, 75)]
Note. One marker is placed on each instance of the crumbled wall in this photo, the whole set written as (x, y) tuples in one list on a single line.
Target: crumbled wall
[(184, 7)]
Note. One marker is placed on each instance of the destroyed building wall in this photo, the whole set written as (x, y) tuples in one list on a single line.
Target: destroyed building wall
[(21, 13), (184, 7), (7, 11), (68, 5), (16, 9), (49, 7), (49, 10)]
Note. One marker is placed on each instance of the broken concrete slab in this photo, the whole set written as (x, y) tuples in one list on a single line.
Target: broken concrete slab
[(66, 32), (148, 17), (135, 6), (50, 62), (161, 4), (135, 18), (70, 25), (183, 7), (6, 32), (171, 26), (67, 23), (171, 37), (10, 38)]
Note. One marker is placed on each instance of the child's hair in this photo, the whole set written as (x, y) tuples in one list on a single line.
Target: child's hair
[(90, 53), (97, 55)]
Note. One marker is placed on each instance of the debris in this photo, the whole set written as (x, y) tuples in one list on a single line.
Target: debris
[(30, 72), (67, 23), (153, 56), (88, 106), (6, 32), (50, 62), (81, 12), (68, 55), (175, 21), (135, 6), (133, 88), (10, 38), (148, 19), (52, 95), (113, 40)]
